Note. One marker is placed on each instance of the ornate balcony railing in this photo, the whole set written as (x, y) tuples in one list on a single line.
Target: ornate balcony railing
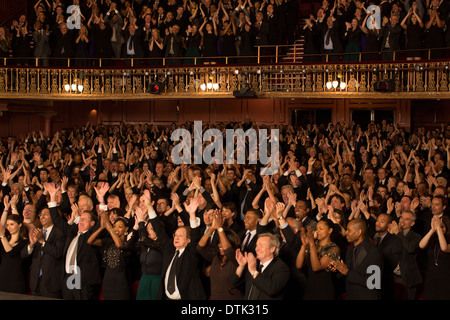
[(409, 79)]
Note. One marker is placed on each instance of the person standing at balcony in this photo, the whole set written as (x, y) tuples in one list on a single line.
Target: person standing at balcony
[(372, 44), (262, 28), (353, 37), (173, 45), (228, 35), (82, 43), (101, 36), (390, 38), (21, 44), (434, 36), (210, 38), (115, 20), (64, 44), (5, 44), (331, 41), (413, 25), (311, 34), (155, 47), (41, 40), (192, 44), (132, 44), (246, 45)]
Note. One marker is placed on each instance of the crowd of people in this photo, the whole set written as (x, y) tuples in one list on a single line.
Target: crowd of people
[(225, 31), (179, 31), (105, 212), (378, 30)]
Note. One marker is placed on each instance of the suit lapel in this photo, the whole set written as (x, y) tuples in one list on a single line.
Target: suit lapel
[(361, 256)]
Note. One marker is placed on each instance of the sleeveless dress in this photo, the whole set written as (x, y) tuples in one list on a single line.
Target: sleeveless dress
[(210, 47), (320, 284), (12, 273), (414, 33), (437, 278), (115, 281)]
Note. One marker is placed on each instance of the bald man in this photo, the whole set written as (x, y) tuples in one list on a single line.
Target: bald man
[(363, 264)]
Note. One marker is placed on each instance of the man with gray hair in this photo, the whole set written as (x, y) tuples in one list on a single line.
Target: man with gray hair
[(266, 276), (407, 271)]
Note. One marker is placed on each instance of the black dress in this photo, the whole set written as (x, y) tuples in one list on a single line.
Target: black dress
[(115, 281), (246, 49), (311, 45), (414, 33), (12, 275), (82, 54), (437, 278), (434, 38), (320, 284), (155, 53), (372, 47), (209, 47), (228, 47)]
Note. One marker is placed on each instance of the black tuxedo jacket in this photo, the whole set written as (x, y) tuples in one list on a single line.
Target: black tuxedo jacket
[(268, 285), (252, 244), (409, 267), (51, 262), (356, 280), (87, 256), (188, 278), (391, 250), (138, 51)]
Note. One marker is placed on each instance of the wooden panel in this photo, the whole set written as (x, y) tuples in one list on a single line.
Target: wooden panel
[(197, 110), (261, 110), (165, 111), (111, 111), (227, 110), (137, 111)]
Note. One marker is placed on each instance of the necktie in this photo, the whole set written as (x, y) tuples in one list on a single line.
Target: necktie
[(172, 273), (42, 251), (73, 257), (328, 37), (246, 241), (378, 241), (130, 43), (353, 266)]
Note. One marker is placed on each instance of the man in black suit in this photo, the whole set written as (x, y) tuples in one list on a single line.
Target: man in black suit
[(249, 235), (46, 247), (331, 40), (391, 249), (82, 275), (390, 34), (407, 271), (173, 45), (246, 189), (181, 262), (262, 30), (265, 275), (64, 46), (359, 257), (132, 44)]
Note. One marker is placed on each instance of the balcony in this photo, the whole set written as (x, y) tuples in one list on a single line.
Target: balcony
[(424, 79)]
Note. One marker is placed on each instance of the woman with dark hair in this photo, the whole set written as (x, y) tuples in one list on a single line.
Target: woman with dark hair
[(115, 254), (437, 244), (13, 238), (317, 251), (223, 260), (150, 256)]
